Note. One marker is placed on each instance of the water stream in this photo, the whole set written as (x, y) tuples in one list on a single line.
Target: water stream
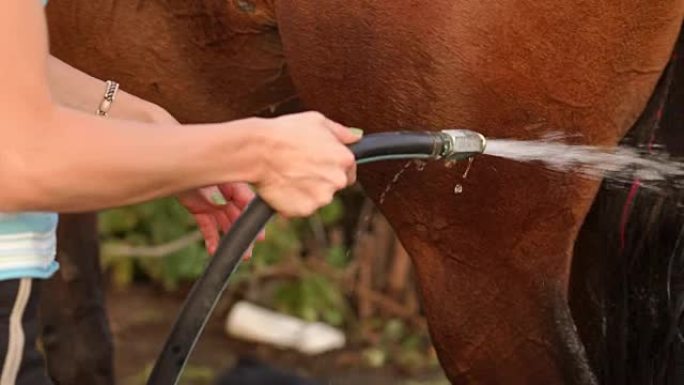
[(620, 163)]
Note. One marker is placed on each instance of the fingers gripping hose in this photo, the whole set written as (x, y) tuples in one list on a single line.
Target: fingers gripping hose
[(450, 144)]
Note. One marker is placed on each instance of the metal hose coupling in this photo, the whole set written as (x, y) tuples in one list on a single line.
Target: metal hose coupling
[(461, 144)]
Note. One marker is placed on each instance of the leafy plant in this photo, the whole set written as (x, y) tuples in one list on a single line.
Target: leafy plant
[(148, 224), (165, 220), (313, 298)]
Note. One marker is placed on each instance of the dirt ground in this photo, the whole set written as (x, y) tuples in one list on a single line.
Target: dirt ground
[(142, 316)]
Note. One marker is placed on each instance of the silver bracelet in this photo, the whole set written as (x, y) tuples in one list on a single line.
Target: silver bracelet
[(111, 87)]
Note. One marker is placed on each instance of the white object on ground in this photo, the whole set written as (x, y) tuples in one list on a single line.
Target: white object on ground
[(252, 322)]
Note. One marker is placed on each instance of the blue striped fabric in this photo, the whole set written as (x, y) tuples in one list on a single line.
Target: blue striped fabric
[(27, 222), (27, 245)]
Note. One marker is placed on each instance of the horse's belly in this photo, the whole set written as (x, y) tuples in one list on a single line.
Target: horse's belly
[(500, 67)]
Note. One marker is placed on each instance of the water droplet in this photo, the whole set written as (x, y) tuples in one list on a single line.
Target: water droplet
[(450, 163), (470, 164), (394, 180), (458, 189)]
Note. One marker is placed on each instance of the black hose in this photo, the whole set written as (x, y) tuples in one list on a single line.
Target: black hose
[(209, 287), (392, 145)]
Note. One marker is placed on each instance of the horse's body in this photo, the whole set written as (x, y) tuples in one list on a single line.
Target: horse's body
[(493, 262)]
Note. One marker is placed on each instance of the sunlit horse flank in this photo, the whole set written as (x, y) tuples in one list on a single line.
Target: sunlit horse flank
[(493, 262)]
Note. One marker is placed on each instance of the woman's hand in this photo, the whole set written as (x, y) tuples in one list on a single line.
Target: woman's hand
[(216, 208), (306, 162)]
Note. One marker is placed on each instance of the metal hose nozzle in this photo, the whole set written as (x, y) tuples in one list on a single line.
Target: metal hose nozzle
[(462, 144)]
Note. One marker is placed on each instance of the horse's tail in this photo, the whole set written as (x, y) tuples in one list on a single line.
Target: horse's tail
[(627, 292)]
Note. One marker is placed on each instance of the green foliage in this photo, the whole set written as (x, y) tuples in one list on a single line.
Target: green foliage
[(306, 294), (282, 239), (332, 213), (337, 256), (148, 224), (313, 298), (165, 220)]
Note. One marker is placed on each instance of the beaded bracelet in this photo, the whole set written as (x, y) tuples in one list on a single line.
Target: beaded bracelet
[(111, 87)]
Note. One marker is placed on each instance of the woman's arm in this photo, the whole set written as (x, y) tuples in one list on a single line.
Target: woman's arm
[(54, 158), (214, 208), (63, 160)]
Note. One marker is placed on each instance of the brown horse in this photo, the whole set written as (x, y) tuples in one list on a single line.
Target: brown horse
[(494, 261)]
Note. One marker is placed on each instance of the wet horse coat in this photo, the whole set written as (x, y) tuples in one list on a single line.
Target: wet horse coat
[(493, 262)]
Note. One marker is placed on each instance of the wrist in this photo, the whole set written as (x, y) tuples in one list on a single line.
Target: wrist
[(130, 107), (255, 147), (249, 139)]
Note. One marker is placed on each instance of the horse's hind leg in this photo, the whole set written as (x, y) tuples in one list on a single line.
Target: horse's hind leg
[(493, 268), (493, 261)]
